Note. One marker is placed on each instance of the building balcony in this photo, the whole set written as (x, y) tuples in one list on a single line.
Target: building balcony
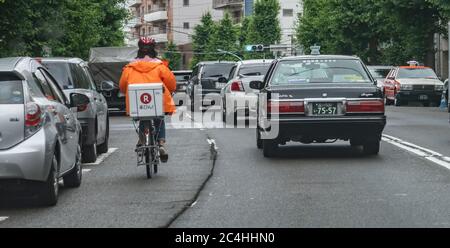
[(136, 22), (154, 15), (160, 37), (228, 4), (135, 3)]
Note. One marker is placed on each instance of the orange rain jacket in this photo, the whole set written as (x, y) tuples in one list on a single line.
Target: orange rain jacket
[(151, 71)]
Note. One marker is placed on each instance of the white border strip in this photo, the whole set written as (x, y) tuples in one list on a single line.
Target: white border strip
[(423, 152), (3, 218), (102, 157)]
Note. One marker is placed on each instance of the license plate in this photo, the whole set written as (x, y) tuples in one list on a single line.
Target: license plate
[(423, 97), (220, 85), (320, 108)]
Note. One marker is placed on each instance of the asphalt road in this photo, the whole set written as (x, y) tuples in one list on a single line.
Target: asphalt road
[(305, 186), (329, 185), (117, 193)]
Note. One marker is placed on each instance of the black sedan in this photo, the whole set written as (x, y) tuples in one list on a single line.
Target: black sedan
[(319, 99)]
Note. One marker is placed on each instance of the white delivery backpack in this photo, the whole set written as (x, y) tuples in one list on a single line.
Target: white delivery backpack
[(146, 100)]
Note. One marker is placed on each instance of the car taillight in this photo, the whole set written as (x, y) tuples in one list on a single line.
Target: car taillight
[(82, 108), (33, 118), (237, 86), (286, 107), (368, 106), (33, 115)]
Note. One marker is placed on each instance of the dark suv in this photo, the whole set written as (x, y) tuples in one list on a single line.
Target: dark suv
[(206, 82)]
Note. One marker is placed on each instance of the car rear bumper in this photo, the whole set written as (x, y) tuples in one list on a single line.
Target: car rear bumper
[(241, 102), (30, 160), (418, 95), (328, 128)]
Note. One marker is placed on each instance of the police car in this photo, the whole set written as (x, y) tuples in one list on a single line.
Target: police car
[(412, 83), (319, 99)]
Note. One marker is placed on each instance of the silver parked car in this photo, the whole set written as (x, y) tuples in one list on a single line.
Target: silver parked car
[(73, 75), (39, 133), (237, 96)]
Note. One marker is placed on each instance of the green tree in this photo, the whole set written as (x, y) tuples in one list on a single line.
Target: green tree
[(68, 27), (201, 37), (225, 38), (173, 56), (379, 31)]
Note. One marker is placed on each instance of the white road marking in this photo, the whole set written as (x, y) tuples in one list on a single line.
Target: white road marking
[(104, 156), (212, 142), (86, 170), (3, 218), (423, 152), (193, 204)]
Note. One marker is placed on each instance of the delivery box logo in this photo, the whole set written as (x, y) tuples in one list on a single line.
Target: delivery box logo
[(146, 98)]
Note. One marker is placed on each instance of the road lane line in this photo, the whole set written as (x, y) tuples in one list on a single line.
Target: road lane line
[(3, 218), (86, 170), (102, 157), (423, 152)]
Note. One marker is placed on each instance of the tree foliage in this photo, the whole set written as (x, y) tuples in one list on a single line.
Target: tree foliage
[(172, 56), (379, 31), (67, 27), (201, 37), (264, 26), (224, 37)]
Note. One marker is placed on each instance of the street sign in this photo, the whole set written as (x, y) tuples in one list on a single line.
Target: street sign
[(315, 50)]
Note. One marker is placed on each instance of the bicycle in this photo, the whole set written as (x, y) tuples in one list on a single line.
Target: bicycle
[(148, 152)]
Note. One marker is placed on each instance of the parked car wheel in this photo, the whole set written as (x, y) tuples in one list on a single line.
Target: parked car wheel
[(89, 153), (48, 193), (371, 147), (269, 148), (259, 142), (103, 148), (73, 179)]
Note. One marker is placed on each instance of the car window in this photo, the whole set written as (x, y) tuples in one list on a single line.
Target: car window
[(79, 78), (11, 92), (62, 74), (416, 73), (254, 70), (90, 79), (232, 72), (180, 77), (216, 70), (45, 87), (55, 87), (379, 73), (194, 72), (319, 71)]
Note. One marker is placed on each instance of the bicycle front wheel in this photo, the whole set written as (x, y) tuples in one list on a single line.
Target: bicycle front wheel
[(148, 163)]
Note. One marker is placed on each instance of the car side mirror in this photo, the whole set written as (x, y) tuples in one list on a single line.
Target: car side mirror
[(106, 86), (78, 100), (186, 78), (222, 80), (256, 85)]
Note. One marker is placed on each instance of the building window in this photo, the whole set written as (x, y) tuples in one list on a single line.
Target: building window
[(185, 2), (288, 12), (186, 25)]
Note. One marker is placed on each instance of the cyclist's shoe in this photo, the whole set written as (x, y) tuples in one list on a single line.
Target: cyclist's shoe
[(163, 155), (138, 145)]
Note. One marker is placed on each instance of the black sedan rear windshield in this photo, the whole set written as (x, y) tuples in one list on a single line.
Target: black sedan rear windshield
[(217, 70), (319, 71), (11, 92)]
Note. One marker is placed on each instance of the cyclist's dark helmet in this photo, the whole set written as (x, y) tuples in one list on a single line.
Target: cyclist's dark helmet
[(146, 47)]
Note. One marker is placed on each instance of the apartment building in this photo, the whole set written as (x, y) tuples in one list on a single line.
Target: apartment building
[(288, 15), (168, 20)]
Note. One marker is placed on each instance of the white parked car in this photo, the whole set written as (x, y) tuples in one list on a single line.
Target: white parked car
[(238, 99)]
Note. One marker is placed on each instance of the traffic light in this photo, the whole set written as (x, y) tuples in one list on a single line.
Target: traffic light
[(254, 48)]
